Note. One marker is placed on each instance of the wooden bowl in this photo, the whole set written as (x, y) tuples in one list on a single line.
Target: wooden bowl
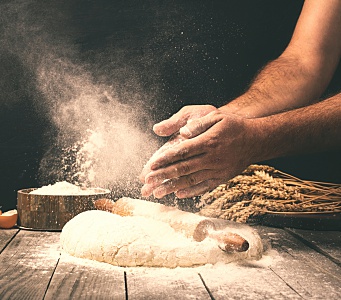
[(52, 212), (8, 219)]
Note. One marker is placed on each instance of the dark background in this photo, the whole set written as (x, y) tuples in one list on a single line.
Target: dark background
[(175, 52)]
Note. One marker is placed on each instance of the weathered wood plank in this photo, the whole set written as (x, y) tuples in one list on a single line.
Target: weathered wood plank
[(296, 271), (325, 242), (238, 281), (77, 278), (5, 236), (307, 272), (162, 283), (293, 271), (248, 279), (27, 265)]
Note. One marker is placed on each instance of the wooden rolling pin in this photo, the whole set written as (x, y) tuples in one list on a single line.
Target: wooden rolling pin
[(188, 223)]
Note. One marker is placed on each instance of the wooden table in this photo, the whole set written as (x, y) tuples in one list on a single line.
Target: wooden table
[(303, 265)]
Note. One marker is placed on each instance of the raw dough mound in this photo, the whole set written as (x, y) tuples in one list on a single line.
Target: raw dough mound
[(140, 241)]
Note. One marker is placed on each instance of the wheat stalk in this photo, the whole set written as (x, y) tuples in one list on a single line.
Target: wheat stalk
[(262, 189)]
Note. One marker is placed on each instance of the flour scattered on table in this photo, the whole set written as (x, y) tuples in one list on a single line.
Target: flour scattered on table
[(64, 188), (132, 241)]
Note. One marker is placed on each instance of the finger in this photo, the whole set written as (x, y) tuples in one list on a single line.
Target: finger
[(171, 125), (175, 139), (182, 151), (179, 119), (147, 167), (181, 183), (146, 190), (146, 170), (142, 176), (198, 189), (195, 127), (179, 169)]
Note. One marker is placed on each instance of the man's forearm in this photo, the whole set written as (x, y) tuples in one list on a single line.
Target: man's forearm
[(301, 74), (309, 129), (285, 83)]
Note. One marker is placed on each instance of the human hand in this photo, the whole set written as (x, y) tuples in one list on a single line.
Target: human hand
[(175, 139), (209, 151), (172, 126)]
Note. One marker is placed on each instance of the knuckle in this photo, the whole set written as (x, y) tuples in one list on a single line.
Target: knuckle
[(182, 153), (186, 110), (183, 169), (212, 143), (169, 184), (191, 180), (199, 125)]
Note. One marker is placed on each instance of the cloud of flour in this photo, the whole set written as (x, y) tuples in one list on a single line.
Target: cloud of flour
[(101, 138), (97, 139)]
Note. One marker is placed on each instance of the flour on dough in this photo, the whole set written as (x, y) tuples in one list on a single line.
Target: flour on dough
[(139, 241)]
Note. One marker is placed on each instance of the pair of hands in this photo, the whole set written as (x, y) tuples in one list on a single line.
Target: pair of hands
[(207, 147)]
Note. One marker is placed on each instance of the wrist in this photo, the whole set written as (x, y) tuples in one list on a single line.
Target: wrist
[(246, 106), (260, 145)]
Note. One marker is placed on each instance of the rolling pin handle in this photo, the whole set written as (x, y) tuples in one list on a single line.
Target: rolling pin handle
[(230, 242), (202, 230), (104, 204)]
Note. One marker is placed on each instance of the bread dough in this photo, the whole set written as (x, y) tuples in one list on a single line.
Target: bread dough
[(132, 241)]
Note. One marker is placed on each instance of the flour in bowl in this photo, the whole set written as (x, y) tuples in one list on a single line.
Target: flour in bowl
[(65, 188)]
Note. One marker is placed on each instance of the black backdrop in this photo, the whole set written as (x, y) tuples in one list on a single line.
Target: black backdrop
[(176, 52)]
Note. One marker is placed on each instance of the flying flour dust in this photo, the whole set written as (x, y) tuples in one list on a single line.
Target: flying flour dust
[(98, 139), (101, 139)]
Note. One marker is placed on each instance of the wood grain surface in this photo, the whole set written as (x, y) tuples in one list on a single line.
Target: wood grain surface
[(27, 265), (6, 236), (84, 280), (303, 265), (326, 242)]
